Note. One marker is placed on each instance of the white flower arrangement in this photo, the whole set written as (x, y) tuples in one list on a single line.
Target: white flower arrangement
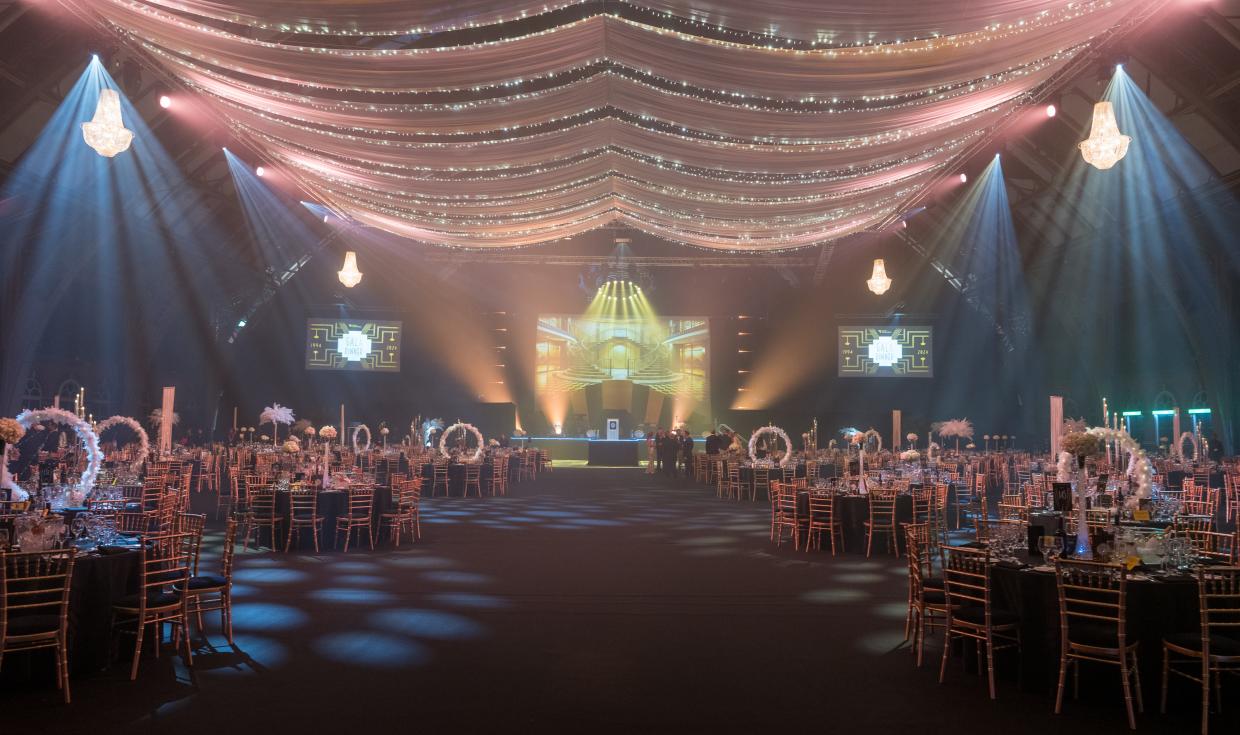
[(144, 441), (911, 455), (753, 444), (462, 426), (328, 432), (90, 440)]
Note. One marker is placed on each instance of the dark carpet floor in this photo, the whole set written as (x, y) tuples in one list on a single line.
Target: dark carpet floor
[(590, 600)]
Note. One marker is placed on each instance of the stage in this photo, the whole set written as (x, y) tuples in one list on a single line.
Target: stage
[(599, 452)]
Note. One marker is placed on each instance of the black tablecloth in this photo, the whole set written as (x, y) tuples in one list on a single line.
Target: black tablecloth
[(1155, 608), (98, 582), (612, 453), (331, 505)]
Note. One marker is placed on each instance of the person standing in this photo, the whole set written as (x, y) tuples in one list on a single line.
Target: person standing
[(686, 452), (671, 447), (650, 453)]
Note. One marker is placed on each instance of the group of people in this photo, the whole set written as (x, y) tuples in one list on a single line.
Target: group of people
[(668, 451), (671, 452)]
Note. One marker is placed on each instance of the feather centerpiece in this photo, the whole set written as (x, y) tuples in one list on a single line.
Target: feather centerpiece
[(275, 414), (959, 428), (156, 417)]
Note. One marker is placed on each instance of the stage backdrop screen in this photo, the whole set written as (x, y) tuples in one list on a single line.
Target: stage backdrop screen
[(886, 352), (667, 354), (335, 344)]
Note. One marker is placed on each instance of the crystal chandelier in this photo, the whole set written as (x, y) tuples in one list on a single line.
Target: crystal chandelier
[(106, 133), (879, 282), (1105, 145), (349, 275)]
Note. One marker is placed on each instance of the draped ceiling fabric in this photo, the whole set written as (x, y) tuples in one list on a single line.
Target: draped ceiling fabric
[(721, 123)]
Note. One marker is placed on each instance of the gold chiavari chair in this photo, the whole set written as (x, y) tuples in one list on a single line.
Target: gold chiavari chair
[(699, 467), (882, 520), (135, 522), (785, 515), (811, 472), (261, 514), (404, 512), (1012, 507), (439, 476), (34, 606), (164, 569), (941, 491), (229, 488), (526, 470), (733, 487), (926, 604), (1205, 656), (1193, 522), (964, 500), (761, 480), (544, 460), (1211, 544), (473, 478), (359, 515), (970, 611), (495, 486), (303, 514), (1093, 626), (822, 519), (194, 525), (211, 592)]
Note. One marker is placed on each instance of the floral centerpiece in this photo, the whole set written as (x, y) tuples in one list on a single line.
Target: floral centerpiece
[(292, 446), (911, 455), (275, 414), (328, 432), (912, 439), (11, 432), (1082, 446)]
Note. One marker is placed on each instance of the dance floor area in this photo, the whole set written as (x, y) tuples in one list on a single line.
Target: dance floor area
[(592, 599)]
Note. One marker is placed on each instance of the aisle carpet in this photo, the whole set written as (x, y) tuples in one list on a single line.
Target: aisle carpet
[(600, 600)]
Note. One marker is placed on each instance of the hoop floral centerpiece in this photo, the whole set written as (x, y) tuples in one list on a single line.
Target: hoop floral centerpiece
[(753, 444), (357, 430), (90, 440), (1191, 438), (1140, 469), (144, 441), (876, 437), (462, 426)]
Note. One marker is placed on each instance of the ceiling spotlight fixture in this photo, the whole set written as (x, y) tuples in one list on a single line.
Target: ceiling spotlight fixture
[(1051, 110), (1105, 145), (260, 171), (349, 275), (106, 133), (964, 178), (879, 282), (165, 101)]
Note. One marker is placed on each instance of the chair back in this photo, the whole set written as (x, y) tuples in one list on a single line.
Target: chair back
[(194, 525), (822, 507), (361, 502), (303, 503), (164, 564), (966, 576), (882, 509), (262, 501), (1092, 596), (35, 583), (1218, 590)]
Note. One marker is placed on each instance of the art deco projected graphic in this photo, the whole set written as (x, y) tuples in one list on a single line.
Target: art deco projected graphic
[(349, 345), (666, 354), (886, 352)]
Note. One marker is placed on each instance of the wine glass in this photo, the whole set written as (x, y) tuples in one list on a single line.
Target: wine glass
[(1050, 547)]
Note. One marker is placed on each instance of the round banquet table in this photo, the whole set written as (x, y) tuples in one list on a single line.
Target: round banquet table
[(456, 476), (1156, 607), (332, 505), (853, 511)]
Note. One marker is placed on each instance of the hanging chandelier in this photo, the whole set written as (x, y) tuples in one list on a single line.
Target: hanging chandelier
[(349, 275), (879, 282), (105, 132), (1106, 145)]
